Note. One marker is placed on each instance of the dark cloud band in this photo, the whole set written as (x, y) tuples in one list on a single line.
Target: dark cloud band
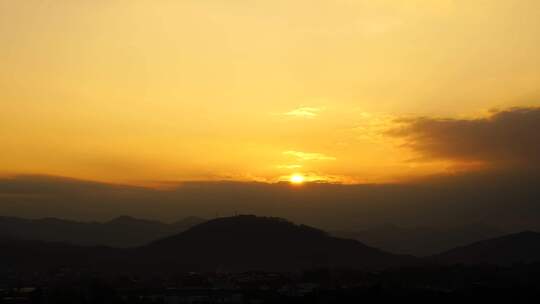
[(507, 138)]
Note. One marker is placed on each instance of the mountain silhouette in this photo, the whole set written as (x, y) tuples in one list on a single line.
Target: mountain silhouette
[(420, 241), (123, 231), (239, 243), (39, 256), (248, 242), (523, 247)]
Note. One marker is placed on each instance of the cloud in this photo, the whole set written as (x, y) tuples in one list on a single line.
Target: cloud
[(289, 166), (502, 200), (506, 138), (309, 156), (305, 112)]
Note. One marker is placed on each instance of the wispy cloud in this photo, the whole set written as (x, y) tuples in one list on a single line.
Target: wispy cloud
[(289, 166), (309, 156), (305, 112)]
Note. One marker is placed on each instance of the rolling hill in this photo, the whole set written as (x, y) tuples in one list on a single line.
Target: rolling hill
[(523, 247)]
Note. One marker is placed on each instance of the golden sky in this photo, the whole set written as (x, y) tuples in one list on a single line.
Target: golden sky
[(143, 91)]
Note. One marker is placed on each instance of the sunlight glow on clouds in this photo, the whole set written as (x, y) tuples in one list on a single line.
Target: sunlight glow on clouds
[(305, 112), (289, 166), (314, 177), (305, 156)]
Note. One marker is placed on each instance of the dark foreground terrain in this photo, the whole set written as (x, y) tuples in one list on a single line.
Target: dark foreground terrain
[(250, 259), (518, 283)]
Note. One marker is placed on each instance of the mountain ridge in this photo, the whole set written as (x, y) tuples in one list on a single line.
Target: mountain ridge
[(521, 247), (240, 243), (122, 231)]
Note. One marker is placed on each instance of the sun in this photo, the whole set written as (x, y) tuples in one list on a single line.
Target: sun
[(297, 179)]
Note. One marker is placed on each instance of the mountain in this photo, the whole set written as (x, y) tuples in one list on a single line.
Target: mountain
[(38, 256), (420, 241), (239, 243), (249, 242), (506, 250), (123, 231), (186, 223)]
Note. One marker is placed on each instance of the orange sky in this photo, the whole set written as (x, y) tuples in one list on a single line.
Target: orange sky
[(156, 90)]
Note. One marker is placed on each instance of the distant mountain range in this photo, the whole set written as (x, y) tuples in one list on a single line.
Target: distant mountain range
[(523, 247), (243, 243), (123, 231), (126, 231), (421, 241), (237, 243)]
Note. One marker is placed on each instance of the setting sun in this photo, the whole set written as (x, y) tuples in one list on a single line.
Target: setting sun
[(297, 179)]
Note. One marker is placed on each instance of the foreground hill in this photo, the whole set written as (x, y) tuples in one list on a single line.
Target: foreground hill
[(123, 231), (506, 250), (248, 242)]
